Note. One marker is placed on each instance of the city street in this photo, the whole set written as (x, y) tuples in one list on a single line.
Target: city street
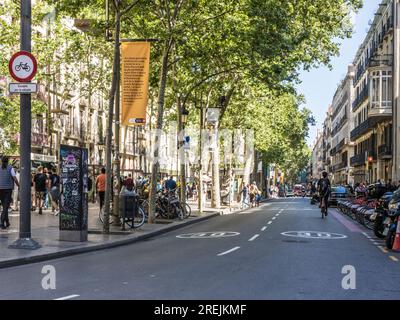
[(254, 261)]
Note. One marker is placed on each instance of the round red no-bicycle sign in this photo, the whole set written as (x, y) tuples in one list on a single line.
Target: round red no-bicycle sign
[(22, 66)]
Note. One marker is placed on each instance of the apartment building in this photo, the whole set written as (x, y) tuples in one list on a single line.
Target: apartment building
[(342, 148), (364, 106), (373, 97)]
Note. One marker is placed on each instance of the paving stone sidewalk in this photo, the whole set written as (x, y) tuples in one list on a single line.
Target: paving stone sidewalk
[(45, 230)]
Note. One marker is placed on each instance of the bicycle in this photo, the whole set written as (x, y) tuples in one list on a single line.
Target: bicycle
[(133, 222), (23, 66)]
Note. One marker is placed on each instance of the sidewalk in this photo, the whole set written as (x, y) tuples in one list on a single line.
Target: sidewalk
[(45, 230)]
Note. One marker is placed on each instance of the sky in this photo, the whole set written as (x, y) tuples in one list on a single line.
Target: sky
[(319, 85)]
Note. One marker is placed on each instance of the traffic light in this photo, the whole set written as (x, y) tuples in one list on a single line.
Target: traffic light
[(369, 161)]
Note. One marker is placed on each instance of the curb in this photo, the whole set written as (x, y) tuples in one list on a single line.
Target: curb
[(118, 243)]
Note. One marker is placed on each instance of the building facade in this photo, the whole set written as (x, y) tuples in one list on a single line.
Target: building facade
[(364, 144)]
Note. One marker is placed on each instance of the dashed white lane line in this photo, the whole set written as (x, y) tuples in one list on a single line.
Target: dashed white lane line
[(393, 258), (254, 237), (264, 228), (269, 222), (68, 297), (383, 249), (273, 218), (277, 215), (229, 251)]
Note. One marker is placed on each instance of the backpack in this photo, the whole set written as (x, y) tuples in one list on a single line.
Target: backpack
[(41, 181)]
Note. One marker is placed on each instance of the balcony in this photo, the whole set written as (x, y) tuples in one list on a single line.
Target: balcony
[(385, 151), (337, 148), (363, 95), (339, 125), (379, 111), (339, 166), (366, 126), (383, 60), (358, 160)]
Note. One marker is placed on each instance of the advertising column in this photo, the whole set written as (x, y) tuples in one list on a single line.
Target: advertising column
[(74, 197)]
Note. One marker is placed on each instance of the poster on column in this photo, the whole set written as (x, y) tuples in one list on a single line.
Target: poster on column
[(135, 61), (74, 200)]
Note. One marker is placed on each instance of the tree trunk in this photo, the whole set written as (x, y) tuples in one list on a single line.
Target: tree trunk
[(161, 98), (215, 195), (249, 156), (106, 225)]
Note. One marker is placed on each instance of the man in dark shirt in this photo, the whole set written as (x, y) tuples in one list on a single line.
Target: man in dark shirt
[(170, 184), (40, 185)]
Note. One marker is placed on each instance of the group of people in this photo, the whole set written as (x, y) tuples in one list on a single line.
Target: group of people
[(46, 190), (251, 195)]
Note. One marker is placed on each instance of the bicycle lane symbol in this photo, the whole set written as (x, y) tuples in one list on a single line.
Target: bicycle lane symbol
[(208, 235)]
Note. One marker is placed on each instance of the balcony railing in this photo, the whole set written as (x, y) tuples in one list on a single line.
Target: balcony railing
[(365, 127), (363, 95), (385, 151), (337, 148), (339, 166), (382, 60), (357, 160)]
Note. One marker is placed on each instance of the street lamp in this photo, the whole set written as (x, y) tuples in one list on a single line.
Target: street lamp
[(184, 116)]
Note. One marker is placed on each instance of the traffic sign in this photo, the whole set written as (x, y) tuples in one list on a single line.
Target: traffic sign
[(26, 87), (22, 66)]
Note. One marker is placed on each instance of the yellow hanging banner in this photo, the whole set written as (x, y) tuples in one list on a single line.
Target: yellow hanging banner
[(135, 62)]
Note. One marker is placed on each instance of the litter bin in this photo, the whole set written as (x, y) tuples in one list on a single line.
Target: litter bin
[(128, 206)]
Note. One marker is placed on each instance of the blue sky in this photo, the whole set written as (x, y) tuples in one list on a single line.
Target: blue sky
[(319, 85)]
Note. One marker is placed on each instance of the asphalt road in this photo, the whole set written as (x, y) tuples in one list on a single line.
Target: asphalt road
[(256, 262)]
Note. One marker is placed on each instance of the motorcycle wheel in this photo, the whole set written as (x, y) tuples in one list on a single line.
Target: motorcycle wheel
[(379, 227), (390, 239)]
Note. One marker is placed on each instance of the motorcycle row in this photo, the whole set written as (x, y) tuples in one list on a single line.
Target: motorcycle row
[(377, 209)]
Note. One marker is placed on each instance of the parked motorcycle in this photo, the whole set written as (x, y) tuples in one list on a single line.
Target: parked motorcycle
[(391, 227), (380, 214)]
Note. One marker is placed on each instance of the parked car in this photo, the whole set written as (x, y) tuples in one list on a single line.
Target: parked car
[(339, 193), (290, 193)]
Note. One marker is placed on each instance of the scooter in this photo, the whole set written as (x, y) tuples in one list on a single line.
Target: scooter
[(391, 227)]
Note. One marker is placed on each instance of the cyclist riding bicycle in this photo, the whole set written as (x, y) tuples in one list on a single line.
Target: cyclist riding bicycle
[(324, 189)]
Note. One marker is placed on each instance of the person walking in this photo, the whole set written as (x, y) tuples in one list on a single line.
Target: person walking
[(47, 197), (55, 191), (244, 193), (101, 186), (40, 185), (8, 178)]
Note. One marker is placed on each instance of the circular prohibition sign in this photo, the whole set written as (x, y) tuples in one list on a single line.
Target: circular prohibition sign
[(22, 66)]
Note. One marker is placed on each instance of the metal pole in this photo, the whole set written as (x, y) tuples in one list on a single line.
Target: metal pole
[(200, 187), (25, 241), (117, 151)]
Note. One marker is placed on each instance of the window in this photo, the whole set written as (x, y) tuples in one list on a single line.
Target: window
[(381, 89)]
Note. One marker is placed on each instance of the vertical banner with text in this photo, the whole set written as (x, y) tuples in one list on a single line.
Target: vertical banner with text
[(135, 82)]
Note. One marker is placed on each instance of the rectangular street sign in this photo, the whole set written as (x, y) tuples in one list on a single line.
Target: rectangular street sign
[(27, 87)]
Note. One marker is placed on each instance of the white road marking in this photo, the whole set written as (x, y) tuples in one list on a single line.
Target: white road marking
[(254, 237), (393, 258), (229, 251), (277, 215), (269, 222), (264, 228), (383, 249), (68, 297), (273, 218), (308, 234)]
